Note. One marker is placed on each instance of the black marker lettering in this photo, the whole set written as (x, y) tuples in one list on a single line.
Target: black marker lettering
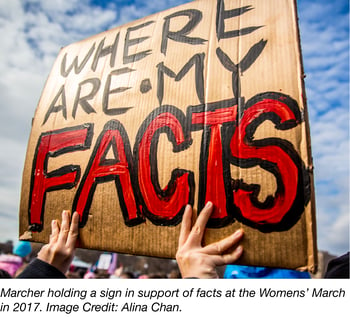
[(237, 69), (62, 106), (108, 91), (195, 17), (75, 64), (104, 51), (198, 61), (222, 15), (130, 42), (83, 101)]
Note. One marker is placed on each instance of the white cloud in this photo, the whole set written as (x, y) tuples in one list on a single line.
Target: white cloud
[(137, 9), (325, 43)]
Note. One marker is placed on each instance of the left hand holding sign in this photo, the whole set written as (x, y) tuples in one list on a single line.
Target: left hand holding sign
[(59, 252)]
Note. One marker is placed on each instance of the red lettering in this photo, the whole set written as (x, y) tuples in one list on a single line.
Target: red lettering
[(272, 154), (163, 206), (212, 184), (53, 144), (113, 139)]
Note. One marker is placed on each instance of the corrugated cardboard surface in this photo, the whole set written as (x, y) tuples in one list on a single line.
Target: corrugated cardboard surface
[(209, 122)]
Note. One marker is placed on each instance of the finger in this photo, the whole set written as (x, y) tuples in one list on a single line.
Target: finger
[(221, 246), (228, 258), (73, 232), (64, 227), (186, 225), (55, 230), (197, 232)]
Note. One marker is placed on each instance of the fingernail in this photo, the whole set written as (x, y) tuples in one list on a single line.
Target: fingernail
[(239, 249), (209, 204), (76, 215), (238, 233)]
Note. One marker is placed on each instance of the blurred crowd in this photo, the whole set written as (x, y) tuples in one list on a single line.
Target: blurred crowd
[(14, 258)]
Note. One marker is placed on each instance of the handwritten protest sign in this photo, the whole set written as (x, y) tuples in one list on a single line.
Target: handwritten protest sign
[(201, 102)]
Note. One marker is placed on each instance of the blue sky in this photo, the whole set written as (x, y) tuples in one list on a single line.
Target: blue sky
[(33, 31)]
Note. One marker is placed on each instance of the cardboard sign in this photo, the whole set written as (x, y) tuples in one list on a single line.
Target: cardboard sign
[(201, 102)]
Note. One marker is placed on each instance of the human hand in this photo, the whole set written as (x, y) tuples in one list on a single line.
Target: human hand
[(197, 261), (59, 252)]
